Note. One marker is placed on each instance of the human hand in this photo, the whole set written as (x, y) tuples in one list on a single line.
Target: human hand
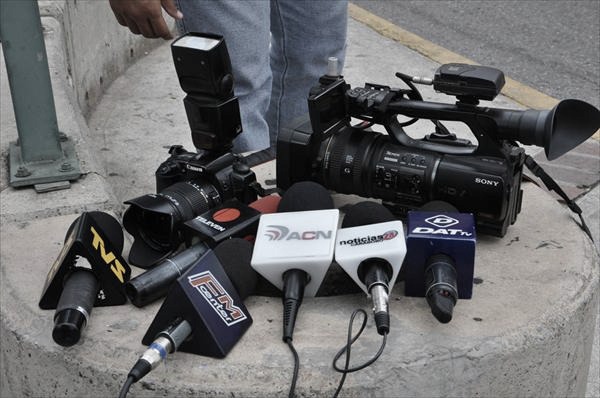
[(145, 16)]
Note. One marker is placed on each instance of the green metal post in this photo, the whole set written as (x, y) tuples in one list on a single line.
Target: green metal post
[(41, 155)]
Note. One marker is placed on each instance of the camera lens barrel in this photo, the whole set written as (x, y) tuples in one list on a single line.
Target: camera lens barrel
[(368, 164), (74, 306), (190, 198)]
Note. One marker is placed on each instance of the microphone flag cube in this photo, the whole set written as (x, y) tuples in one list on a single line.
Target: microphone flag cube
[(303, 240), (435, 232)]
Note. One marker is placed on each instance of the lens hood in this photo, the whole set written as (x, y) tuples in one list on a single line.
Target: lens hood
[(150, 220)]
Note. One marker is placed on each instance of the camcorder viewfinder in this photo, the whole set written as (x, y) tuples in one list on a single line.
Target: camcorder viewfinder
[(406, 173)]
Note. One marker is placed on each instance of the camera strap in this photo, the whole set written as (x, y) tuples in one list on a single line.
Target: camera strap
[(549, 182)]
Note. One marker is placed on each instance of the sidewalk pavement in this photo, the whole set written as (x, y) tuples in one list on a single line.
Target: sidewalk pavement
[(141, 115)]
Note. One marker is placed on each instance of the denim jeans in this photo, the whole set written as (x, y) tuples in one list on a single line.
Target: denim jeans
[(278, 50)]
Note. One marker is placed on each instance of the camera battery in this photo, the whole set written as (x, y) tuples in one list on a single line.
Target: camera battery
[(480, 82)]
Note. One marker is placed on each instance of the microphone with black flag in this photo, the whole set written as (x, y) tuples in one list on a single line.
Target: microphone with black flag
[(203, 313)]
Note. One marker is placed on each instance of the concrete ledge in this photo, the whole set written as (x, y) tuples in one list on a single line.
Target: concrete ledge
[(86, 51), (527, 331)]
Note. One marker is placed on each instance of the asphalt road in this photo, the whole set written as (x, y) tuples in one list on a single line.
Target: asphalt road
[(552, 46)]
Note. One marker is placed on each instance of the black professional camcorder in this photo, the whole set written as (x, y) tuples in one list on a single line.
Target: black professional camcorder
[(190, 183), (483, 179)]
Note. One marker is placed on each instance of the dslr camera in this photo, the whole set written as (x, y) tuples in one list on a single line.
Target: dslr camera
[(406, 173), (190, 183)]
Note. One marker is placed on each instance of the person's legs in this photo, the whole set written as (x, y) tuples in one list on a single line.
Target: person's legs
[(245, 27), (305, 33)]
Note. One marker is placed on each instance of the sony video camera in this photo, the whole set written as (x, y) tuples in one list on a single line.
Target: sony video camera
[(190, 183), (483, 179)]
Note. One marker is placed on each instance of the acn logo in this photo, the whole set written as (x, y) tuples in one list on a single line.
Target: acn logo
[(277, 232), (441, 221), (280, 232), (217, 297)]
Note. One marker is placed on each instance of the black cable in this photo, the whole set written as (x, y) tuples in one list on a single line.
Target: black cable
[(347, 348), (296, 368), (552, 185), (130, 380)]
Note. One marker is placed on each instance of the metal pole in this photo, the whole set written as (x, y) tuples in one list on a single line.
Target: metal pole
[(42, 154)]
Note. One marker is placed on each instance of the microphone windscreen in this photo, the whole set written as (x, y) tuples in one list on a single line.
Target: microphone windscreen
[(235, 255), (266, 205), (367, 213), (438, 205), (305, 196)]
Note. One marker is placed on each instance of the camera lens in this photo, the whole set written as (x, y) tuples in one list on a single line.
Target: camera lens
[(346, 161), (190, 198), (154, 220)]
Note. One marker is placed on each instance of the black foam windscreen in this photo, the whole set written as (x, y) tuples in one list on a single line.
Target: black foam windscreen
[(439, 205), (366, 213), (305, 196), (235, 255)]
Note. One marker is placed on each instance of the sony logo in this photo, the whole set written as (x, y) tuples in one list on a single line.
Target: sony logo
[(484, 181), (441, 231)]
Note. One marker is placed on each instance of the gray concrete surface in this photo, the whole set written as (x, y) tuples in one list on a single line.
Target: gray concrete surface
[(495, 346)]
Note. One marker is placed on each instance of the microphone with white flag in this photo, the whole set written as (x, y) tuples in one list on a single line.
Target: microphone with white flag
[(370, 247), (294, 247)]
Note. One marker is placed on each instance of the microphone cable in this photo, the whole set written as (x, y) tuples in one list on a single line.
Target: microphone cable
[(128, 383), (551, 185), (296, 368), (347, 349)]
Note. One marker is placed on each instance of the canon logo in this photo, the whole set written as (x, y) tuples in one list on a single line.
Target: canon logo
[(194, 168)]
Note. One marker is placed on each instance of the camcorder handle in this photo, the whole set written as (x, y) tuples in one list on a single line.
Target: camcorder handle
[(558, 130)]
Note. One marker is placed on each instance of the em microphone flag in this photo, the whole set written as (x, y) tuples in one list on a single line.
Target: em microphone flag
[(302, 240)]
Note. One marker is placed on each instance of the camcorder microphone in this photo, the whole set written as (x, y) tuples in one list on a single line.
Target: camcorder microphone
[(439, 264), (233, 219), (203, 313), (294, 247), (370, 247), (88, 272)]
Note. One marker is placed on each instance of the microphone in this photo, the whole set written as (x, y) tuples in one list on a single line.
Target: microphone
[(370, 247), (88, 272), (440, 261), (212, 227), (203, 313), (294, 247)]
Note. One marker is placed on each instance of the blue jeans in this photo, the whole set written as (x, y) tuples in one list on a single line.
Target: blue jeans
[(278, 50)]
